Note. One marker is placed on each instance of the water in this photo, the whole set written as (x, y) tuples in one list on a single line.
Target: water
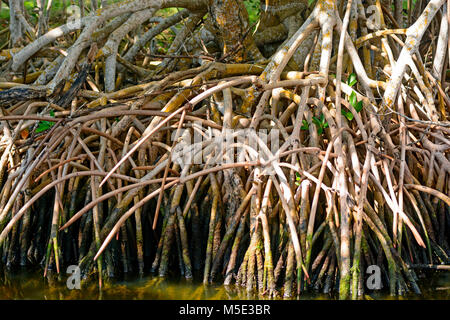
[(26, 285)]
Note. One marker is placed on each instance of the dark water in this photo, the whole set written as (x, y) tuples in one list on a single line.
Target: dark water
[(33, 286)]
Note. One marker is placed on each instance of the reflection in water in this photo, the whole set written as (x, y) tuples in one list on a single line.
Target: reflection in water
[(33, 286)]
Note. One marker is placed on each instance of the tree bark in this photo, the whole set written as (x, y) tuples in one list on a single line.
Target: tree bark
[(15, 26), (231, 25)]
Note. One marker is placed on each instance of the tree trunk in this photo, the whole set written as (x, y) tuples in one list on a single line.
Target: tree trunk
[(232, 28), (15, 26)]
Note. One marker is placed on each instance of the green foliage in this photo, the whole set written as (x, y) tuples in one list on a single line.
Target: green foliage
[(347, 114), (167, 12), (45, 125), (305, 125), (352, 100), (405, 4), (252, 7), (311, 2), (29, 5), (351, 81), (4, 14), (358, 106), (298, 179), (320, 123)]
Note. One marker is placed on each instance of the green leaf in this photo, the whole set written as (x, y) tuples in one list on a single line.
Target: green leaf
[(316, 121), (324, 122), (351, 81), (29, 5), (43, 126), (320, 123), (298, 179), (305, 125), (358, 107), (252, 7), (347, 114), (322, 118), (319, 130), (310, 2), (353, 100)]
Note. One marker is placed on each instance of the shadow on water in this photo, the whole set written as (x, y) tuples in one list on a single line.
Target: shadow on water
[(26, 285)]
